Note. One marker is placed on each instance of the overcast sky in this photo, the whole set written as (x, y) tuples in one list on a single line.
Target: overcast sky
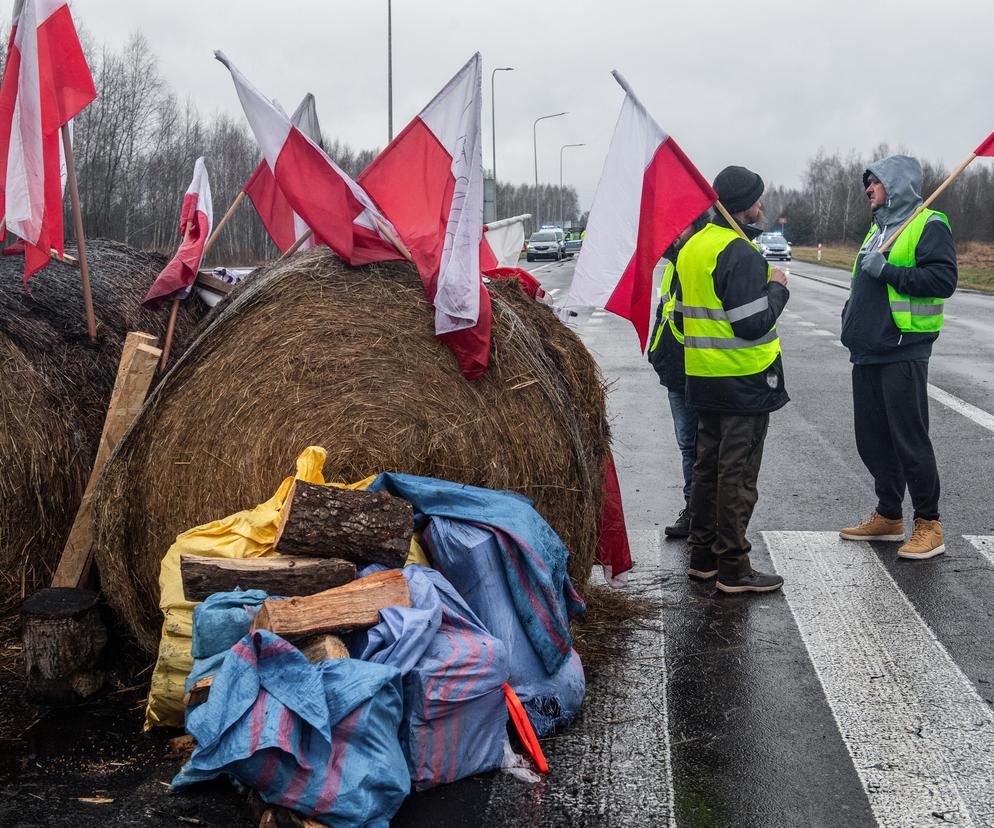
[(759, 83)]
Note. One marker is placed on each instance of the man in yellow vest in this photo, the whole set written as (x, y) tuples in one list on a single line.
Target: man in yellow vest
[(893, 315), (728, 303)]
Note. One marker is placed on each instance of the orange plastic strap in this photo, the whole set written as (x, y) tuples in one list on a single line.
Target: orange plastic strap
[(525, 729)]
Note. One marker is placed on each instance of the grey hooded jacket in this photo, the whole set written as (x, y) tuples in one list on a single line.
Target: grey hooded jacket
[(868, 330)]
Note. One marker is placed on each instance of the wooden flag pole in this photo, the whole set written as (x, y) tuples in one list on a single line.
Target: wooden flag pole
[(77, 217), (394, 241), (224, 220), (728, 217), (924, 205), (174, 311), (293, 248)]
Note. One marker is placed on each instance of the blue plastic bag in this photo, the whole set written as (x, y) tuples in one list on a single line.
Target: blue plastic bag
[(470, 558)]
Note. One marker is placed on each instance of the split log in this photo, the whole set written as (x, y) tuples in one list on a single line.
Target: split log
[(63, 637), (351, 607), (317, 649), (328, 522), (282, 575)]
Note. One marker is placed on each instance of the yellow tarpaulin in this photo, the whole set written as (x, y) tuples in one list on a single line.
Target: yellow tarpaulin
[(248, 534)]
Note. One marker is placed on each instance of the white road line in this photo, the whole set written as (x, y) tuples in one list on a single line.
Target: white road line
[(806, 324), (543, 267), (978, 415), (820, 332), (984, 544), (552, 291), (921, 738)]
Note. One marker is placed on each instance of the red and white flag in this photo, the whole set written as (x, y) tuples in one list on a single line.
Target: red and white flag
[(283, 225), (429, 180), (337, 209), (46, 83), (195, 225), (987, 147), (648, 194), (502, 242)]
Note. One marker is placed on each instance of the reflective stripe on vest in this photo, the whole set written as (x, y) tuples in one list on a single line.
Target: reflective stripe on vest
[(911, 314), (712, 349)]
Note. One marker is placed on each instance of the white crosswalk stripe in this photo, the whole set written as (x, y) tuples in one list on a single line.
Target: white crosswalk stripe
[(921, 738), (984, 544)]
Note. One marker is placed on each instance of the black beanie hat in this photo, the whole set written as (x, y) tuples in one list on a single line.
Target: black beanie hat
[(738, 188)]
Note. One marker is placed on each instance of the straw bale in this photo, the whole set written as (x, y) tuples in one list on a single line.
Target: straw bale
[(54, 390), (311, 351)]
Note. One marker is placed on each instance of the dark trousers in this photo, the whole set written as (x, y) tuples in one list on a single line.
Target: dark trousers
[(685, 426), (729, 454), (890, 408)]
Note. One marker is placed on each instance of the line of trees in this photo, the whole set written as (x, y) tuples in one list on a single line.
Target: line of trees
[(830, 206)]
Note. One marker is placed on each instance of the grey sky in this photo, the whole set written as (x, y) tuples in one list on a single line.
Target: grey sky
[(759, 83)]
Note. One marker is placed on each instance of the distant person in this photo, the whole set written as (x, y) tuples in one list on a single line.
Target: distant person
[(666, 356), (730, 300), (892, 317)]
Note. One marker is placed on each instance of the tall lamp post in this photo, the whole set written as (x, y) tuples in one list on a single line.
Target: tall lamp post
[(562, 218), (535, 143), (493, 126), (389, 71)]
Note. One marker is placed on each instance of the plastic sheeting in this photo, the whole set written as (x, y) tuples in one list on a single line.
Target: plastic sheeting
[(455, 718), (470, 558), (318, 738)]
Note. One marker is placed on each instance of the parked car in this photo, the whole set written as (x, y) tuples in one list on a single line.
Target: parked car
[(546, 244), (573, 245), (773, 246)]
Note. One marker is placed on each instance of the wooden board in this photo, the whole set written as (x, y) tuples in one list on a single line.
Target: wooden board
[(350, 607), (280, 575), (134, 376)]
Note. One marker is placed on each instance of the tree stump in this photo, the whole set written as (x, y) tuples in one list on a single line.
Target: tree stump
[(328, 522), (63, 637)]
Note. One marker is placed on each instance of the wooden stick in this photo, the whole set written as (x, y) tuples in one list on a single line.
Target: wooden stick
[(293, 248), (224, 220), (77, 217), (170, 327), (134, 375), (924, 205), (731, 222), (394, 241)]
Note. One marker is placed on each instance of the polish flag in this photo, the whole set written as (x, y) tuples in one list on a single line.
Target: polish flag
[(283, 225), (195, 224), (429, 180), (987, 147), (46, 83), (648, 194), (337, 209), (502, 242)]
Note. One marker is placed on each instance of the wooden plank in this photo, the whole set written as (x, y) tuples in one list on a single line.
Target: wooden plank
[(281, 575), (327, 521), (206, 280), (350, 607), (134, 376)]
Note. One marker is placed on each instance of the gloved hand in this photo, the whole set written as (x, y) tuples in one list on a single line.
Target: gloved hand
[(873, 264)]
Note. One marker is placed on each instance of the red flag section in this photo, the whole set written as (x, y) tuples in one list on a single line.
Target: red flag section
[(46, 83), (339, 212), (283, 225), (648, 193), (195, 225), (429, 181), (987, 147)]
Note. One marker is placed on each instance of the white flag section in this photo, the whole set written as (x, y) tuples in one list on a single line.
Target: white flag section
[(505, 238), (648, 194)]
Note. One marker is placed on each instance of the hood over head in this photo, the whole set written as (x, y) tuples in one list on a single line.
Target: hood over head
[(901, 176)]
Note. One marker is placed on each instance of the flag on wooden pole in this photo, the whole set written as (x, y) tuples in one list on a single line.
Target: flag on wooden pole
[(429, 180), (281, 222), (46, 83), (648, 194), (196, 220)]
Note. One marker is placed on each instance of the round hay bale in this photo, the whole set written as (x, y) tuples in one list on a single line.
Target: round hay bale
[(54, 390), (312, 351)]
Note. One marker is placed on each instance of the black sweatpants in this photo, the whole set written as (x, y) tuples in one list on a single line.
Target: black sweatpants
[(724, 493), (890, 407)]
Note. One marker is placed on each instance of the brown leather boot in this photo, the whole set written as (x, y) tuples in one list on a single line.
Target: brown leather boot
[(926, 541), (875, 528)]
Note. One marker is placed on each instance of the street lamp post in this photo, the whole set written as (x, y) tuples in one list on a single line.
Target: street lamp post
[(535, 144), (493, 126), (562, 218)]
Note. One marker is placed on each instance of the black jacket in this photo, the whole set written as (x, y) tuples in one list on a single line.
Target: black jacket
[(667, 356), (740, 278)]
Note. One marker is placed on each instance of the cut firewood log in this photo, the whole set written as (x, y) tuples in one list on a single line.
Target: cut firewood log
[(328, 522), (317, 649), (351, 607), (63, 637), (281, 575)]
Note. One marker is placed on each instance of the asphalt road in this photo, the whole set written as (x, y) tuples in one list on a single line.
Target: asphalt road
[(861, 695)]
